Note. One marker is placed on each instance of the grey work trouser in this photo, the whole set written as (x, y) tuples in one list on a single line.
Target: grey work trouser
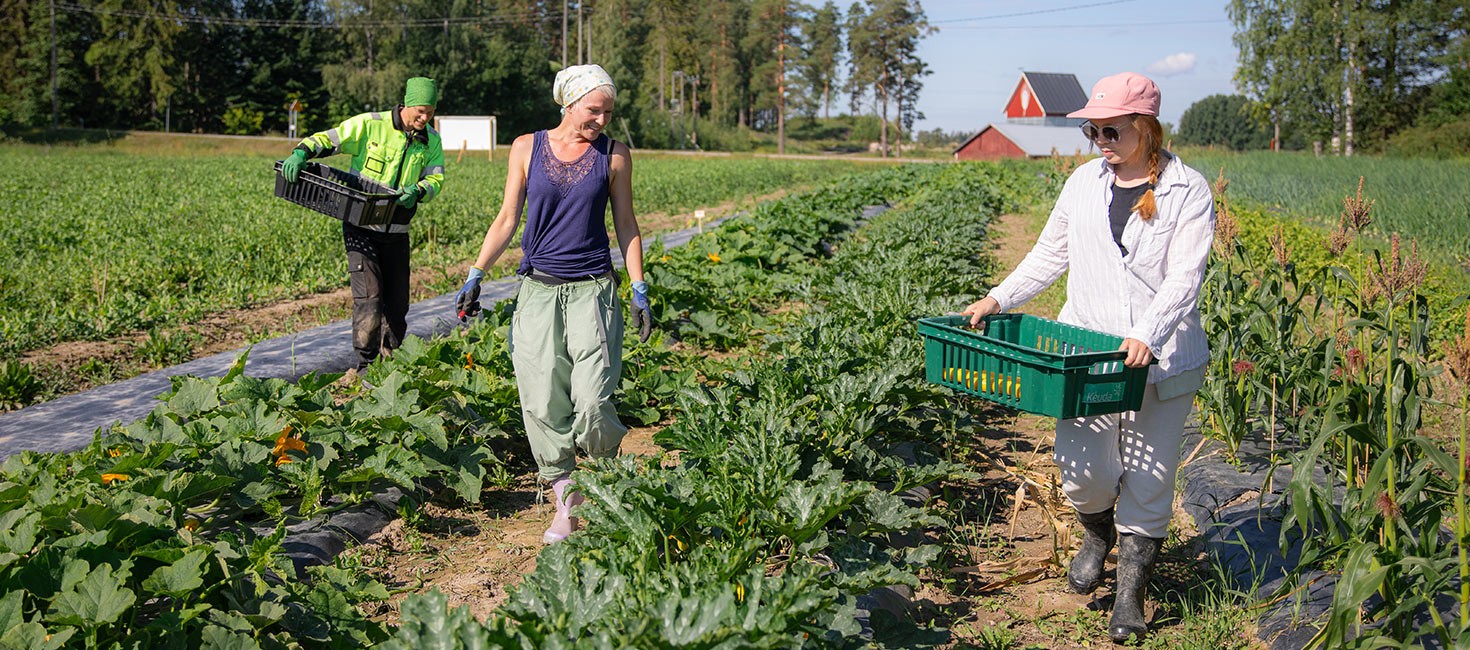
[(566, 343), (1125, 460), (378, 266)]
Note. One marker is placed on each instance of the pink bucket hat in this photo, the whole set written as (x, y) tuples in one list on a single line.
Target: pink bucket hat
[(1124, 93)]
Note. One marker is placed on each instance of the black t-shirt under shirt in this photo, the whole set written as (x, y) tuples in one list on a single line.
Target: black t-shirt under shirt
[(1121, 208)]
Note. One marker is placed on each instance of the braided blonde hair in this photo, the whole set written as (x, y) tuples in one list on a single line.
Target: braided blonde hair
[(1150, 141)]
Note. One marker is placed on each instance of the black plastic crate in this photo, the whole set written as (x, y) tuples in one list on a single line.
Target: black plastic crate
[(339, 194)]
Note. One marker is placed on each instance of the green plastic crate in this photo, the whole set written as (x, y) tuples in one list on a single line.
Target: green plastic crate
[(1032, 364)]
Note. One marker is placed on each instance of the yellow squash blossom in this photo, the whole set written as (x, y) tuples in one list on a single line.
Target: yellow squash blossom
[(714, 257), (107, 479), (285, 443)]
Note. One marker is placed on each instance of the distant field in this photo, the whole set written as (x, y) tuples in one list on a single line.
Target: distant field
[(1421, 199), (105, 239)]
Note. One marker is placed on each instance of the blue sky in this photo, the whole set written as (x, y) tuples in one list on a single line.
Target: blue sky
[(980, 50)]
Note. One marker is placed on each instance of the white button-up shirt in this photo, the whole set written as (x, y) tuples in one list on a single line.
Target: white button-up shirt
[(1152, 293)]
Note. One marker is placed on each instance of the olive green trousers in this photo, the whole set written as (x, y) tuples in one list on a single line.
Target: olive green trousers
[(566, 343)]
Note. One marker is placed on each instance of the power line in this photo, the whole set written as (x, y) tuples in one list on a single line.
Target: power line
[(444, 21), (1093, 26), (1036, 12)]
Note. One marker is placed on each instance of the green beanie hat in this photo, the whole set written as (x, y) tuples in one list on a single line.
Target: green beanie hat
[(421, 91)]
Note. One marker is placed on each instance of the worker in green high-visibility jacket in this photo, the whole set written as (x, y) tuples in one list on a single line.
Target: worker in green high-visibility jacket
[(396, 148)]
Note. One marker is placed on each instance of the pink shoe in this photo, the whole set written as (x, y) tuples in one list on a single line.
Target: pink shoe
[(563, 524)]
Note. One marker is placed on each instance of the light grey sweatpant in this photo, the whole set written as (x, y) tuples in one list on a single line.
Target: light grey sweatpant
[(566, 344), (1126, 459)]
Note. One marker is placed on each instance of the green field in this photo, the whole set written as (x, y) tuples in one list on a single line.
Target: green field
[(111, 239), (1427, 200)]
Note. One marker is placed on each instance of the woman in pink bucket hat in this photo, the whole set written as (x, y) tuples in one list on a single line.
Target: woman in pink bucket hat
[(1134, 229)]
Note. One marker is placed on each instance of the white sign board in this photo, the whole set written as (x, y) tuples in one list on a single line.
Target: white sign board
[(472, 132)]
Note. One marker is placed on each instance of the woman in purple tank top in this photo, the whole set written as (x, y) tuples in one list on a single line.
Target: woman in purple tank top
[(566, 336)]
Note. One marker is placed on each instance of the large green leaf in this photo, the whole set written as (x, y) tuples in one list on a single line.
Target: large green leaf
[(390, 398), (193, 396), (34, 636), (181, 577), (18, 530), (97, 599), (219, 638), (10, 610)]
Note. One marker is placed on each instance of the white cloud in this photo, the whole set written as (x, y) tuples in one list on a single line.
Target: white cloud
[(1174, 64)]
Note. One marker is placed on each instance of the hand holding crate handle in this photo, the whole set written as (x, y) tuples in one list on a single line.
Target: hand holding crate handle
[(1139, 356), (410, 195), (291, 166), (980, 309)]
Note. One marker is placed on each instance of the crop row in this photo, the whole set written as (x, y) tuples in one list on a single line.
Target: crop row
[(108, 243), (168, 533), (1427, 200)]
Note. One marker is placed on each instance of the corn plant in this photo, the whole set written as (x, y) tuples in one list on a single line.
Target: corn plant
[(1457, 360), (1348, 352)]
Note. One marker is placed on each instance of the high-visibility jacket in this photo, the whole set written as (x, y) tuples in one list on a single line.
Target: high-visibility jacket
[(383, 151)]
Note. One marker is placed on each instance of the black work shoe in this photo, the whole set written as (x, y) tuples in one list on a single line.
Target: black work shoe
[(1136, 558), (1085, 574)]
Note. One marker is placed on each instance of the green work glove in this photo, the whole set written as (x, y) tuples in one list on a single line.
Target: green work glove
[(410, 196), (291, 166)]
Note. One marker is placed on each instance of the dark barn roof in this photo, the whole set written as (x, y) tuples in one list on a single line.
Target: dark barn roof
[(1058, 93)]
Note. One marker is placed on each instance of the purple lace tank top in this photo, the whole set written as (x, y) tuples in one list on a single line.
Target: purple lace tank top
[(566, 208)]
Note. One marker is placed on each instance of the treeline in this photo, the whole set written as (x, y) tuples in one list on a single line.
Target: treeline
[(712, 67), (1352, 74)]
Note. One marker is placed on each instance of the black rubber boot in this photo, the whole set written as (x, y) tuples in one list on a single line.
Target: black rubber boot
[(1136, 558), (1085, 574)]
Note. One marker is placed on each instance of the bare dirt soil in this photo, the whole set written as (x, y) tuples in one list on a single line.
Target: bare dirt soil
[(472, 554)]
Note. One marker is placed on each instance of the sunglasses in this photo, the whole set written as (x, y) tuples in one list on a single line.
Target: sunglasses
[(1109, 133)]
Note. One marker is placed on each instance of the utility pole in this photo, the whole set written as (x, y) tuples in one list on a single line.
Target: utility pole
[(55, 101), (898, 127), (580, 39), (564, 33), (676, 110)]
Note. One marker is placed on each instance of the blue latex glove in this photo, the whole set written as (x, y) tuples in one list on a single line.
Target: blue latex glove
[(291, 166), (410, 196), (467, 301), (642, 317)]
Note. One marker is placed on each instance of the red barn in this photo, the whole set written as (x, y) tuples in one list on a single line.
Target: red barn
[(1045, 98), (1022, 141), (1036, 121)]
